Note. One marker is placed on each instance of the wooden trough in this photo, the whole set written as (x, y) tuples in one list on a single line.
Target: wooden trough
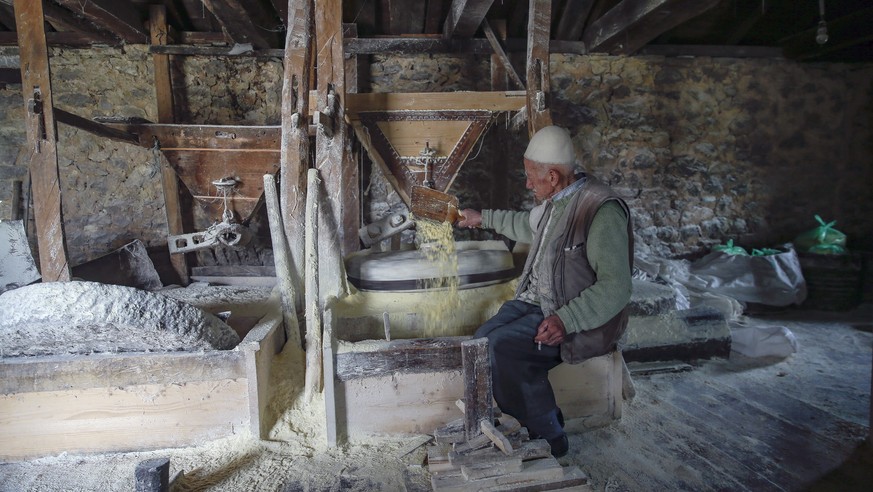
[(411, 386), (136, 401)]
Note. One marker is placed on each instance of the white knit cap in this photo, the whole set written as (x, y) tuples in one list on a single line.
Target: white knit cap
[(551, 145)]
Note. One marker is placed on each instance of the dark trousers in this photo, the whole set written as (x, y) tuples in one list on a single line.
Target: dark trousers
[(519, 368)]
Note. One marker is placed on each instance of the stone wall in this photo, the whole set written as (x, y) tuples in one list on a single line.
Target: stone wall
[(706, 149), (111, 191)]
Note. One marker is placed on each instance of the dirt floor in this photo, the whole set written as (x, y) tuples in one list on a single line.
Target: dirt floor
[(798, 423)]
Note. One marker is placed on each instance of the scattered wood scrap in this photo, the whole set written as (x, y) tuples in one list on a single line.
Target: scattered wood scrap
[(501, 457), (497, 453)]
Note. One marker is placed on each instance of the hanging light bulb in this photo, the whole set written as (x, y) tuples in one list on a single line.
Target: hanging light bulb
[(821, 34)]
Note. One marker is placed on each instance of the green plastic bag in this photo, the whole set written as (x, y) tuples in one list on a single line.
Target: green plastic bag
[(765, 252), (730, 249), (824, 239)]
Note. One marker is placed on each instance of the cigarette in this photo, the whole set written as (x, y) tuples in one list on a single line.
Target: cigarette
[(539, 345)]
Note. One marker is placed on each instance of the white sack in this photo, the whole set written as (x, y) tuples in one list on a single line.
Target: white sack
[(763, 341)]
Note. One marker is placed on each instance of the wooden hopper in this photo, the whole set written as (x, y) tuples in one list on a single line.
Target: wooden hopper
[(434, 205)]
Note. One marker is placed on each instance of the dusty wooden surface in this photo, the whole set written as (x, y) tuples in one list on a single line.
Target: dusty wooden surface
[(294, 158), (42, 138), (331, 148), (821, 393), (477, 386), (538, 77), (158, 36)]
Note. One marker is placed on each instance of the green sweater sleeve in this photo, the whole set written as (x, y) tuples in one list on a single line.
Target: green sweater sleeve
[(610, 293), (514, 225)]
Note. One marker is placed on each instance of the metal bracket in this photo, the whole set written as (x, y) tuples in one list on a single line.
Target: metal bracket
[(384, 228), (229, 234)]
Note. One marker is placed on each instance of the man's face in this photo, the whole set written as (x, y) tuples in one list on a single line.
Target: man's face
[(539, 180)]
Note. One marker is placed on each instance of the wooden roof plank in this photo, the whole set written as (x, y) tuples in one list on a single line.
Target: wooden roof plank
[(236, 19), (119, 18), (573, 20), (464, 18), (631, 24), (434, 16)]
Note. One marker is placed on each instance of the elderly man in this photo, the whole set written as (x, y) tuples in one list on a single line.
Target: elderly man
[(571, 301)]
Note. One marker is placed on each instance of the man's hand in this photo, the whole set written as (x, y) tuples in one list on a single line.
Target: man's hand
[(551, 331), (470, 218)]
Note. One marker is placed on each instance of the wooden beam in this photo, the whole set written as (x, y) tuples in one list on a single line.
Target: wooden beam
[(72, 39), (119, 18), (366, 46), (91, 126), (314, 306), (198, 37), (166, 115), (501, 55), (572, 22), (239, 22), (331, 158), (843, 32), (294, 158), (434, 101), (405, 356), (406, 17), (477, 386), (64, 20), (7, 17), (41, 129), (631, 24), (713, 51), (433, 15), (216, 51), (282, 9), (538, 77), (464, 18)]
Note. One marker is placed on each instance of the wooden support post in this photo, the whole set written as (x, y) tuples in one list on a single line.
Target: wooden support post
[(158, 33), (294, 157), (332, 151), (42, 138), (282, 262), (538, 80), (500, 55), (477, 385), (312, 383), (328, 350)]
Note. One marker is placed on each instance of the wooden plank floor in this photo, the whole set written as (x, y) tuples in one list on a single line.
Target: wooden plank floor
[(728, 425), (748, 424)]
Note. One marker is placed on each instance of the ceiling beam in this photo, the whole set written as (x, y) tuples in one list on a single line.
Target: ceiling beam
[(406, 17), (281, 7), (573, 20), (464, 18), (433, 15), (68, 38), (844, 32), (240, 22), (411, 45), (119, 18), (631, 24), (7, 18)]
